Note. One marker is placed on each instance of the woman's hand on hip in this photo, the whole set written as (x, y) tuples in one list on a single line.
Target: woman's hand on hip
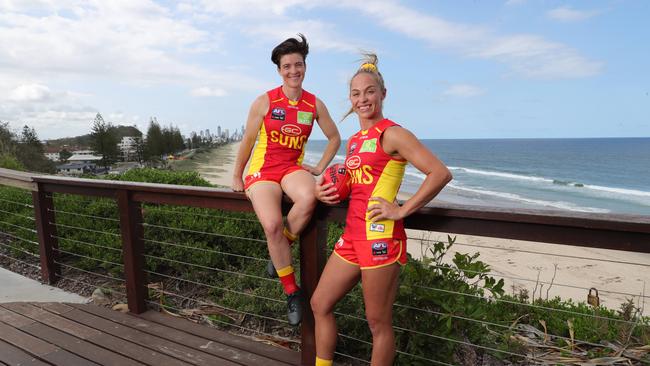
[(384, 210)]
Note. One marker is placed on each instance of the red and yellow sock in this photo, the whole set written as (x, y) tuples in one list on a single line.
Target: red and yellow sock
[(289, 235), (288, 279), (321, 362)]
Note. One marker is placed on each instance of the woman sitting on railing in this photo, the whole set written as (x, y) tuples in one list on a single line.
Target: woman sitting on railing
[(373, 245), (283, 119)]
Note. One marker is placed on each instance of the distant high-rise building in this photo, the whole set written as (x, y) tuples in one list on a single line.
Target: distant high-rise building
[(242, 130), (227, 134), (219, 131), (207, 132)]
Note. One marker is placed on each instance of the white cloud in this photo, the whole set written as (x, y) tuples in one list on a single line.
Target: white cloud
[(30, 93), (251, 8), (206, 91), (463, 91), (527, 55), (567, 14), (139, 42), (322, 35)]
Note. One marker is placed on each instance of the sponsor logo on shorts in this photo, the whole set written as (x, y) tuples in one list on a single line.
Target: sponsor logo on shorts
[(377, 227), (339, 244), (379, 248), (352, 147), (278, 113), (291, 130), (353, 162), (369, 146), (305, 118)]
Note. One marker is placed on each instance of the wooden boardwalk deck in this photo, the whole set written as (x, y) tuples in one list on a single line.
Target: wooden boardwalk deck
[(74, 334)]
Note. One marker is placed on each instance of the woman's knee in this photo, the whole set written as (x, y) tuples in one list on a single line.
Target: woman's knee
[(272, 227), (306, 200), (320, 305), (379, 323)]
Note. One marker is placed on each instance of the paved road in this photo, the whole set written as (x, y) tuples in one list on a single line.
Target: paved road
[(14, 288)]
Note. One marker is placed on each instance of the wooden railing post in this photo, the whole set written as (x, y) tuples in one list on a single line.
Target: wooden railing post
[(313, 256), (132, 251), (46, 230)]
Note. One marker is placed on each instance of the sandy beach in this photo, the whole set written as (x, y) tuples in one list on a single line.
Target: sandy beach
[(611, 272)]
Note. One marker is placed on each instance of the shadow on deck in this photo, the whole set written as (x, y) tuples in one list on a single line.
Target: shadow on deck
[(76, 334)]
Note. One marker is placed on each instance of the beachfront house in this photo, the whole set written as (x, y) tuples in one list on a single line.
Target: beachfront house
[(75, 169)]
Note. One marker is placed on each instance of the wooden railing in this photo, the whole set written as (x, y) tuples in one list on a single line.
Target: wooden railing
[(618, 232)]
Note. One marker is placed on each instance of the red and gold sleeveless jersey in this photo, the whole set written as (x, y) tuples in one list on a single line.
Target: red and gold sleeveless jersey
[(284, 131), (374, 173)]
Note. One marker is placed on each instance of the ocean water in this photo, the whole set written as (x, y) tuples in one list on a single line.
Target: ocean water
[(585, 175)]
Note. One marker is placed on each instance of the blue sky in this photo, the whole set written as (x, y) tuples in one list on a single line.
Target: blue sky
[(453, 69)]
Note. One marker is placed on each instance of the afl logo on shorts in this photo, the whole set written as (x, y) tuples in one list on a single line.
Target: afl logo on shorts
[(291, 130), (353, 162), (379, 248), (278, 113)]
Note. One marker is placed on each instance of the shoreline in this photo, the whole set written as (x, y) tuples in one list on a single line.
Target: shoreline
[(509, 259)]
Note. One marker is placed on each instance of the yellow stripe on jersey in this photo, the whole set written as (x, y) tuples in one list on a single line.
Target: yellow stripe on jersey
[(277, 100), (386, 188), (260, 152), (302, 155), (309, 104)]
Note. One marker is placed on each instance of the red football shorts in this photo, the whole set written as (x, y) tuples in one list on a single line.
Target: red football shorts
[(272, 174), (368, 254)]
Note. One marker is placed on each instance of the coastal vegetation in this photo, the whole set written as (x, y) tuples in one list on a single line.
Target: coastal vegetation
[(23, 151), (448, 309)]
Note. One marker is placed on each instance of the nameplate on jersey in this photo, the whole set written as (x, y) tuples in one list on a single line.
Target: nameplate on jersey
[(369, 146), (305, 118), (278, 113), (377, 227)]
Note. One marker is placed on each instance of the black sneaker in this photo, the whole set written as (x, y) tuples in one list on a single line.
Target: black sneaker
[(270, 270), (294, 308)]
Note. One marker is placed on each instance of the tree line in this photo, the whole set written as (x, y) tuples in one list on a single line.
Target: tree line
[(160, 141), (23, 151)]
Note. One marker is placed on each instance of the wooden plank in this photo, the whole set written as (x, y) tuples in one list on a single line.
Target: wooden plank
[(53, 320), (78, 346), (230, 204), (313, 242), (18, 179), (39, 348), (206, 344), (13, 356), (179, 352), (118, 345), (133, 251), (13, 319), (54, 307), (554, 234), (276, 353), (44, 214)]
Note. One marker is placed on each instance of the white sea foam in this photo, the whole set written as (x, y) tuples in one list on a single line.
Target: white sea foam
[(515, 197), (612, 192), (631, 192), (501, 174)]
